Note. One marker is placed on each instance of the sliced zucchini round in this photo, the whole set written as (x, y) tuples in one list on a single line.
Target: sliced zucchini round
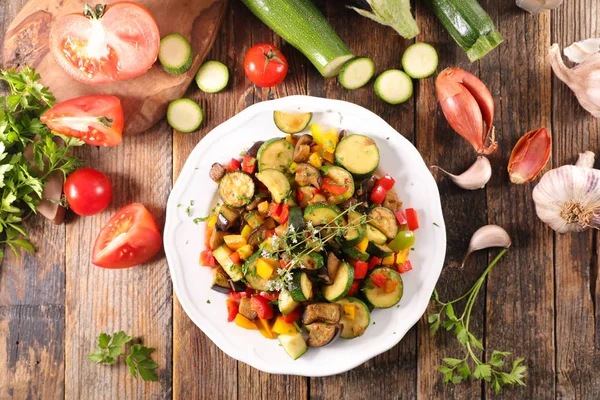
[(377, 296), (296, 219), (355, 254), (355, 230), (375, 235), (236, 189), (384, 220), (341, 283), (357, 323), (379, 250), (420, 60), (358, 154), (339, 176), (212, 77), (394, 86), (275, 154), (301, 287), (286, 302), (322, 214), (276, 182), (175, 54), (312, 261), (291, 123), (356, 73), (184, 115)]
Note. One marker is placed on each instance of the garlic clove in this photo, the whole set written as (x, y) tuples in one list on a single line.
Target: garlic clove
[(586, 160), (536, 6), (486, 237), (476, 177), (529, 156), (578, 52)]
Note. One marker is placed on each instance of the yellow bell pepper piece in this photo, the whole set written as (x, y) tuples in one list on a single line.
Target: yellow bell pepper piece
[(264, 269), (317, 133), (389, 260), (283, 328), (362, 246), (350, 311), (329, 157), (293, 167), (331, 140), (212, 221), (246, 231), (291, 139), (402, 256), (315, 160), (235, 242), (244, 322), (317, 149), (245, 251), (263, 208), (264, 328)]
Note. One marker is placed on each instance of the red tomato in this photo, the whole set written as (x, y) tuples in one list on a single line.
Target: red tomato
[(233, 308), (265, 65), (262, 307), (96, 119), (292, 317), (130, 237), (88, 191), (106, 44), (207, 259)]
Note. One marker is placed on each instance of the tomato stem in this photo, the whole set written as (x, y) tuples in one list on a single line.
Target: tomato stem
[(95, 12)]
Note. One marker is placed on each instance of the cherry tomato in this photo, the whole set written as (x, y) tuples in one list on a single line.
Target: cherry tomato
[(265, 65), (106, 43), (130, 237), (88, 191), (97, 119)]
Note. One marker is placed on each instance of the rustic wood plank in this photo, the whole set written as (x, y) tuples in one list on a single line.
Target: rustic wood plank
[(32, 310), (576, 264), (520, 291), (464, 212)]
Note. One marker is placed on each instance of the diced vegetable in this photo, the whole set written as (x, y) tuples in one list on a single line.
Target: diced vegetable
[(184, 115), (393, 86), (294, 345), (232, 309), (235, 242), (262, 307), (360, 269), (249, 165), (222, 256), (405, 267), (383, 288), (264, 328), (175, 54), (362, 246), (412, 218), (282, 327), (384, 220), (341, 284), (315, 160), (207, 259), (403, 240), (286, 302), (212, 77), (357, 72), (420, 60), (264, 268), (236, 189), (355, 319), (244, 322)]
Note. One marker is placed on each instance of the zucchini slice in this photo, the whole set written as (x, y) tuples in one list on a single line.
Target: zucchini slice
[(312, 261), (420, 60), (184, 115), (175, 54), (341, 284), (236, 189), (377, 296), (296, 219), (393, 86), (384, 220), (375, 235), (322, 214), (357, 72), (379, 250), (354, 327), (355, 254), (294, 345), (355, 229), (301, 287), (286, 302), (276, 182), (234, 271), (358, 154), (275, 154), (339, 176), (212, 77), (291, 123)]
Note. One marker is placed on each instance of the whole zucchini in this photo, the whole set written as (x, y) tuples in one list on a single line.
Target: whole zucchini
[(469, 25), (302, 25)]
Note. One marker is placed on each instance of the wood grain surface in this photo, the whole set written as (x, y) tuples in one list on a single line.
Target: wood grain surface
[(541, 300), (144, 98)]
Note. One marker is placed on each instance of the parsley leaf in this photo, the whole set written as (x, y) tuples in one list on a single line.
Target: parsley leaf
[(138, 362), (109, 347)]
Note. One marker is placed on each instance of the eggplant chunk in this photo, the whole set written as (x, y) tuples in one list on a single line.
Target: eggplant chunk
[(220, 281), (323, 312), (333, 263), (227, 218), (217, 239), (391, 200), (321, 334), (306, 175), (253, 151), (238, 286), (246, 309), (257, 236), (217, 171)]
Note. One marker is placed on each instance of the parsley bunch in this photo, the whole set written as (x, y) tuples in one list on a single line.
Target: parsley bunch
[(110, 348), (22, 181), (457, 370)]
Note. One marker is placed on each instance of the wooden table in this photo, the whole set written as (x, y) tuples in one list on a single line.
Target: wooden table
[(540, 301)]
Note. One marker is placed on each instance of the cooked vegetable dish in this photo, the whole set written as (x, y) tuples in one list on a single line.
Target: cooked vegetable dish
[(309, 238)]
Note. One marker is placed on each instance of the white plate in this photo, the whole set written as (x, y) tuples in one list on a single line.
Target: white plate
[(184, 240)]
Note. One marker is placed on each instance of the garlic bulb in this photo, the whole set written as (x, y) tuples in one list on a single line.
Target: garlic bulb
[(536, 6), (568, 198), (579, 51), (583, 79), (476, 177)]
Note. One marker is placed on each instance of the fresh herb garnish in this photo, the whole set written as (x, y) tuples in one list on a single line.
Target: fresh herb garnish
[(457, 370), (435, 223)]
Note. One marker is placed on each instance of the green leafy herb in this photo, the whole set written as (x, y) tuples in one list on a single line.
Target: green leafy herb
[(456, 370), (22, 181), (110, 348)]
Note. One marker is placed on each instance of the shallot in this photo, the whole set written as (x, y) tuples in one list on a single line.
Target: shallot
[(530, 155)]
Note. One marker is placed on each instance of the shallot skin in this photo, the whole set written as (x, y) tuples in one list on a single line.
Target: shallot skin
[(530, 155)]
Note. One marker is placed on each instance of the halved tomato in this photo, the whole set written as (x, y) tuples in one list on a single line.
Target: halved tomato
[(106, 43), (95, 119), (130, 237)]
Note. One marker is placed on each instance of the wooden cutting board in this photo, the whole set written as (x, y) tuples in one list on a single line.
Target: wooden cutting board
[(144, 98)]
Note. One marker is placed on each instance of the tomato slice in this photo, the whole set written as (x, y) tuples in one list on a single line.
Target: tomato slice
[(97, 119), (130, 237), (106, 43)]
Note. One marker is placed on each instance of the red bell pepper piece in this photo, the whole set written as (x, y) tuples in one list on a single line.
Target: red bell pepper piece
[(360, 269), (400, 218), (378, 279), (233, 308), (234, 165), (270, 296), (292, 317), (235, 257), (262, 307), (374, 262), (275, 209), (316, 191), (236, 296), (299, 195), (407, 266), (248, 293), (284, 214), (412, 218), (249, 165), (207, 259), (387, 182), (270, 233), (330, 186), (378, 194), (353, 288)]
